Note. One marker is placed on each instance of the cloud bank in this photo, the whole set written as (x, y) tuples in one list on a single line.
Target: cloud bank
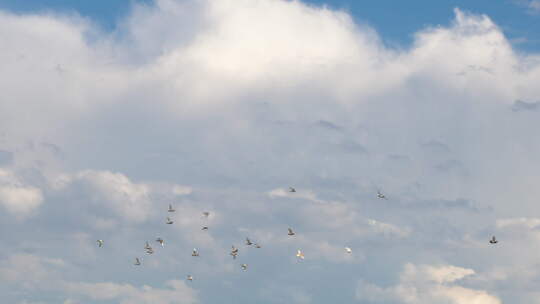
[(221, 105)]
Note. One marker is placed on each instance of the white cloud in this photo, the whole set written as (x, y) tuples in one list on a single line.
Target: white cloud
[(300, 193), (18, 199), (181, 190), (44, 274), (127, 199), (530, 223), (427, 284), (228, 96), (177, 293), (30, 271)]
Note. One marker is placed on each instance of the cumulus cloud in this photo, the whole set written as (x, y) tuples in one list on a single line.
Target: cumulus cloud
[(177, 293), (18, 199), (45, 274), (208, 104), (427, 284)]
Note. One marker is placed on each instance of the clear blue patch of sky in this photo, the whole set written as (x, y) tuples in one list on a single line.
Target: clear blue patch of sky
[(395, 21)]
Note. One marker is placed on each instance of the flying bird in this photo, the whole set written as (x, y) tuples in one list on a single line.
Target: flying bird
[(195, 253), (257, 245), (204, 228), (137, 262), (189, 277), (300, 254), (171, 209), (160, 241), (248, 242), (169, 221), (380, 195), (493, 240), (348, 250), (244, 267), (150, 250), (291, 189), (234, 252), (206, 214), (147, 246), (100, 243), (290, 231)]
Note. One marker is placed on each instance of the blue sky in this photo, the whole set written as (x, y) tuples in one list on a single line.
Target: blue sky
[(221, 105), (396, 21)]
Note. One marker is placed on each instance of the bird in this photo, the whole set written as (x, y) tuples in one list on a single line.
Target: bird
[(204, 228), (348, 250), (493, 240), (169, 221), (189, 277), (147, 246), (195, 253), (380, 195), (300, 254), (234, 252), (160, 241), (248, 242), (290, 231), (150, 250), (291, 189), (137, 262), (244, 267), (100, 243), (206, 214), (257, 245), (171, 209)]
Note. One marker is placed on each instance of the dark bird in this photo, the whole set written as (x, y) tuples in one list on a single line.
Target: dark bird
[(290, 231)]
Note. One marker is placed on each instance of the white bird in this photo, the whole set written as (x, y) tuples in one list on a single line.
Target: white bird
[(290, 231), (169, 221), (380, 195), (137, 262), (160, 241), (248, 242), (100, 243), (291, 189), (257, 245), (147, 246), (150, 250), (348, 250), (244, 267), (300, 254), (171, 209), (206, 214), (195, 253), (493, 240), (189, 277)]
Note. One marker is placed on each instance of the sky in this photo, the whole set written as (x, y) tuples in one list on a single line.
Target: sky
[(110, 113), (396, 21)]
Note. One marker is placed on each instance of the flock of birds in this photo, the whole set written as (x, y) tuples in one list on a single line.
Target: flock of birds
[(248, 242)]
